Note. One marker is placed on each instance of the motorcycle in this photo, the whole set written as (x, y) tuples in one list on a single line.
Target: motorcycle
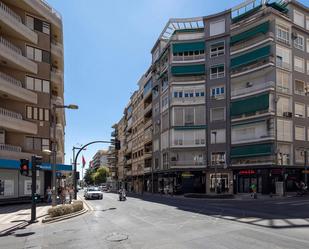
[(122, 196)]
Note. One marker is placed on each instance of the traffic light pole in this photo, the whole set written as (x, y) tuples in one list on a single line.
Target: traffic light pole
[(33, 190)]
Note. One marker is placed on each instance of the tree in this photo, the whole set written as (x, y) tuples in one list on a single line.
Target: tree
[(88, 176), (100, 175)]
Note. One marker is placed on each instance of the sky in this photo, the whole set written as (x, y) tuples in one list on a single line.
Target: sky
[(107, 46)]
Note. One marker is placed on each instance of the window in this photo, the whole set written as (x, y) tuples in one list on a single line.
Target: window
[(188, 137), (217, 92), (308, 66), (284, 130), (299, 18), (37, 24), (37, 54), (189, 116), (217, 158), (37, 113), (283, 57), (284, 105), (307, 46), (300, 87), (217, 27), (307, 23), (217, 114), (283, 34), (36, 143), (300, 110), (217, 136), (300, 133), (217, 72), (308, 133), (299, 64), (216, 49), (283, 81), (37, 84), (299, 42)]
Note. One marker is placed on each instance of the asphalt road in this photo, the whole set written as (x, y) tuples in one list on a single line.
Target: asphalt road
[(174, 222)]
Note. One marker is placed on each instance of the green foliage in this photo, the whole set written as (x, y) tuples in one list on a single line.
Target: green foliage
[(88, 176), (100, 175), (65, 209)]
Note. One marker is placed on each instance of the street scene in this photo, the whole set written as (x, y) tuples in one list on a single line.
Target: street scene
[(154, 124)]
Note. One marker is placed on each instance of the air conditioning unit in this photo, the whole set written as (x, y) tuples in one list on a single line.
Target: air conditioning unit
[(287, 114), (249, 84), (294, 36)]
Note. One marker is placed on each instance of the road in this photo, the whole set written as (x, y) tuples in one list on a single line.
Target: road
[(174, 222)]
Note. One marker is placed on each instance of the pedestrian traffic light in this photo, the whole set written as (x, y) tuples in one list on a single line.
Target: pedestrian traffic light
[(24, 167)]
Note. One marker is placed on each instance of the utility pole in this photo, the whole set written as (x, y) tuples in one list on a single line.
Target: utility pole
[(36, 161), (306, 168)]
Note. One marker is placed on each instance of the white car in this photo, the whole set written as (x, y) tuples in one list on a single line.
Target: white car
[(93, 193)]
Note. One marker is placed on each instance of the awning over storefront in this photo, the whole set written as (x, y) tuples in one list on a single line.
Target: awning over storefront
[(14, 164)]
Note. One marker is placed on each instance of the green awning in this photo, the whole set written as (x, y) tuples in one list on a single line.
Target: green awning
[(186, 47), (248, 58), (250, 105), (252, 150), (260, 29), (282, 7), (188, 70), (190, 127)]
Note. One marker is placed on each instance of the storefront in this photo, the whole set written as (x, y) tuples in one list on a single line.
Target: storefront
[(13, 185), (223, 179)]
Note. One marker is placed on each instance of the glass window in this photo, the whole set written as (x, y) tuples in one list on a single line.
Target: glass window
[(30, 22), (46, 86), (299, 42), (216, 49), (300, 87), (300, 110), (38, 85), (41, 114), (35, 113), (284, 106), (37, 144), (29, 112), (307, 45), (217, 27), (46, 28), (180, 94), (218, 136), (175, 94), (30, 52), (284, 130), (308, 67), (300, 133), (37, 54), (299, 64), (29, 83), (202, 94), (307, 23), (283, 81), (217, 72), (217, 114), (299, 18), (45, 144), (283, 57), (283, 34), (46, 114)]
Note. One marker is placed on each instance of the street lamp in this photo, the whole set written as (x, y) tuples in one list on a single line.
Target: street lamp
[(54, 147), (75, 170)]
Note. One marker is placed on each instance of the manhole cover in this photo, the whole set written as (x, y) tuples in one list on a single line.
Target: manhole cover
[(116, 237)]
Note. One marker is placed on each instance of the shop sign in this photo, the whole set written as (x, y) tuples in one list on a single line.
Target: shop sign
[(305, 171), (186, 174), (247, 172), (276, 171)]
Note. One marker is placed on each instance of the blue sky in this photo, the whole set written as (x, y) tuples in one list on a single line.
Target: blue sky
[(107, 47)]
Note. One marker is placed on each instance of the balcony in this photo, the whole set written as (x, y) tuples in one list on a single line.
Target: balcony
[(255, 150), (188, 70), (148, 135), (57, 50), (188, 163), (13, 89), (12, 23), (250, 106), (147, 123), (8, 151), (147, 109), (60, 157), (12, 56), (13, 121), (57, 78), (252, 89), (56, 100), (188, 58), (148, 154), (188, 101)]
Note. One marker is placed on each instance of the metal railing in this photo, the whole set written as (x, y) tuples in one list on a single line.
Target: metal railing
[(12, 148), (10, 12), (188, 57), (255, 87), (183, 163), (10, 79), (7, 113), (10, 46)]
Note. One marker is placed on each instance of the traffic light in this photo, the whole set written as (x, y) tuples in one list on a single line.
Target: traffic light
[(116, 143), (24, 167)]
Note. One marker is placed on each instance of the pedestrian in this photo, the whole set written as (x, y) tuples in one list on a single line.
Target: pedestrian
[(48, 194)]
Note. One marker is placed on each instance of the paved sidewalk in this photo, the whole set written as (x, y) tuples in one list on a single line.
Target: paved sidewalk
[(12, 216)]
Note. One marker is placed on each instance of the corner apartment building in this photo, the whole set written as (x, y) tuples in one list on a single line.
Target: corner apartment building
[(100, 159), (31, 81), (229, 99)]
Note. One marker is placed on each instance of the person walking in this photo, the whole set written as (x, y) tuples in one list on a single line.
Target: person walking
[(49, 194)]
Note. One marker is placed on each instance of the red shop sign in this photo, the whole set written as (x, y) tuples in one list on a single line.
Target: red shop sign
[(247, 172)]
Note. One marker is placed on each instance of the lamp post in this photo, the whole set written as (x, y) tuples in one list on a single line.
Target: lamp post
[(75, 170), (216, 180), (54, 148)]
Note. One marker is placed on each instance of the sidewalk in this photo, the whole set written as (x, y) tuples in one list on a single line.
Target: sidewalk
[(14, 216)]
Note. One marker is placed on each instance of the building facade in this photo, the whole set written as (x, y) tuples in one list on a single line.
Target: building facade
[(100, 159), (228, 106), (31, 82)]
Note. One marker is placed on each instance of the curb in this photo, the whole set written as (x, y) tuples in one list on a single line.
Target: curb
[(64, 217)]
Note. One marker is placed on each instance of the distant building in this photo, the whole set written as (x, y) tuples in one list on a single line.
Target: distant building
[(100, 158)]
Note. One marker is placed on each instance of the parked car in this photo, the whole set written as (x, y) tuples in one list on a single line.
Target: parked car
[(93, 193)]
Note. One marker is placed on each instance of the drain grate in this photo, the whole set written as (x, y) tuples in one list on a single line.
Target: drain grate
[(116, 237)]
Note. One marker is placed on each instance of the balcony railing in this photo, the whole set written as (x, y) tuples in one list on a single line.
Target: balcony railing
[(10, 46), (255, 87), (10, 79), (199, 57), (10, 114), (188, 163), (147, 109), (148, 135), (10, 12), (57, 48), (11, 148), (148, 123)]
